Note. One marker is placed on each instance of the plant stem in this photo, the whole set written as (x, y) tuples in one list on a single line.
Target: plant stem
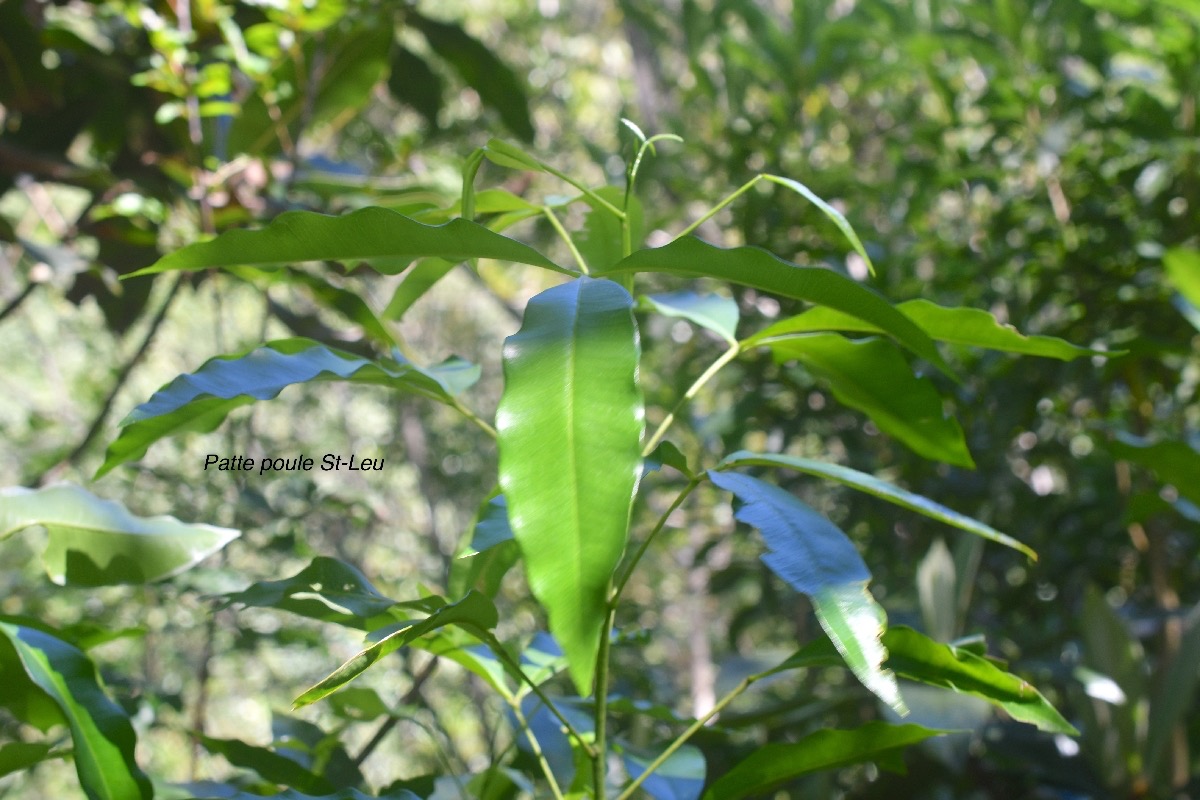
[(566, 237), (515, 705), (747, 186), (473, 417), (679, 742), (662, 521), (599, 761), (714, 368), (409, 698)]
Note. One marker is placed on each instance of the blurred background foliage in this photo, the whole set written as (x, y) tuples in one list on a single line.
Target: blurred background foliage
[(1035, 158)]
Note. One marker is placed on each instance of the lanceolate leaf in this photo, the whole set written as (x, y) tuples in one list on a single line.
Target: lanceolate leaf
[(692, 258), (816, 558), (474, 612), (570, 423), (710, 311), (829, 211), (199, 401), (966, 326), (95, 542), (101, 734), (774, 764), (878, 488), (872, 376), (417, 282), (365, 235)]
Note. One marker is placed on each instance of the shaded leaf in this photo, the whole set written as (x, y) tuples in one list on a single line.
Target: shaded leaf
[(570, 424), (1175, 692), (966, 326), (235, 793), (692, 258), (270, 765), (1174, 462), (474, 612), (870, 375), (102, 736), (877, 488), (667, 454), (773, 764), (199, 401), (680, 777), (327, 589), (17, 756), (600, 240), (814, 557), (710, 311), (419, 280), (413, 83), (368, 234), (95, 542)]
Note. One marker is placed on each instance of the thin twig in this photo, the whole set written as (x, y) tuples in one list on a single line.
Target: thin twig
[(408, 699)]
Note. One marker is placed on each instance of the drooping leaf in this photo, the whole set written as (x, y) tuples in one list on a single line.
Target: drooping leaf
[(102, 736), (829, 211), (692, 258), (269, 764), (872, 376), (570, 424), (710, 311), (1173, 462), (497, 86), (966, 326), (199, 401), (814, 557), (419, 280), (95, 542), (1183, 270), (327, 589), (345, 302), (667, 454), (475, 613), (877, 488), (17, 756), (773, 764), (369, 234), (491, 553), (680, 777), (413, 83)]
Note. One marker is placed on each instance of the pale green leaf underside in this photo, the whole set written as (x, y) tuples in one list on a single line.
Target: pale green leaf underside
[(95, 542), (199, 401), (750, 266), (570, 424), (710, 311), (873, 376), (965, 326), (877, 488), (369, 234), (101, 734)]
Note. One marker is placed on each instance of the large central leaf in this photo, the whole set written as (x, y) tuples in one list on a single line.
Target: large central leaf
[(570, 425)]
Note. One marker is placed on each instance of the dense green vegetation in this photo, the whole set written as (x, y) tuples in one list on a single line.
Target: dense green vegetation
[(749, 396)]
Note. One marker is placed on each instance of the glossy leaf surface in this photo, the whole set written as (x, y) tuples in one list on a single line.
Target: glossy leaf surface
[(877, 488), (102, 736), (327, 589), (773, 764), (200, 400), (96, 542), (690, 257), (368, 234), (813, 556), (872, 376), (710, 311), (570, 424), (966, 326)]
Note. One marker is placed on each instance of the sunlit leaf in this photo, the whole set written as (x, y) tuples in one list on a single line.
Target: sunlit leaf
[(814, 557), (570, 424), (872, 376), (600, 241), (95, 542), (692, 258), (1183, 270), (966, 326), (368, 234), (877, 488), (102, 736), (475, 613), (327, 589), (773, 764), (710, 311), (829, 211), (199, 401)]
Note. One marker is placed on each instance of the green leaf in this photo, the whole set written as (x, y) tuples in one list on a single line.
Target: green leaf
[(570, 424), (475, 613), (667, 454), (1183, 271), (692, 258), (877, 488), (872, 376), (600, 240), (814, 557), (966, 326), (829, 211), (773, 764), (490, 555), (680, 777), (271, 766), (1174, 462), (327, 589), (345, 302), (413, 83), (199, 401), (296, 794), (419, 280), (710, 311), (101, 734), (503, 154), (497, 85), (17, 756), (1175, 692), (95, 542), (368, 234)]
